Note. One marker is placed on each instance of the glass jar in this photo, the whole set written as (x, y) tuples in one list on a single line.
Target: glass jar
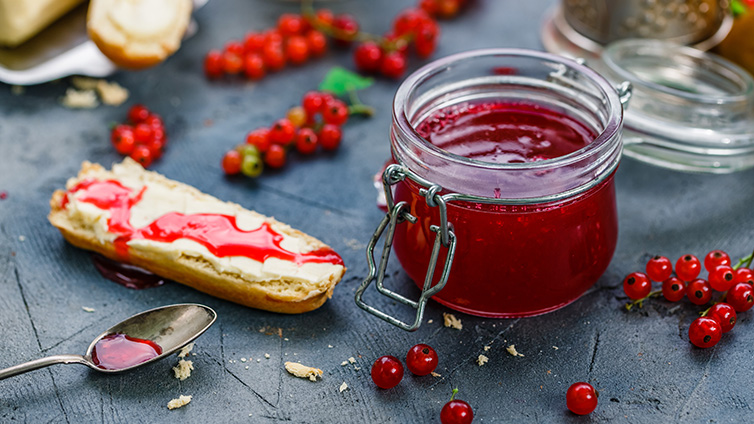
[(500, 239)]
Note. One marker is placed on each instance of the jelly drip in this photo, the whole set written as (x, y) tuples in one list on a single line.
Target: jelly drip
[(118, 351), (126, 275)]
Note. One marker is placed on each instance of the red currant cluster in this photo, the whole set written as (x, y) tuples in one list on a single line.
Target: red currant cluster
[(421, 360), (143, 138), (581, 398), (735, 282), (388, 55), (300, 129), (442, 8), (293, 41)]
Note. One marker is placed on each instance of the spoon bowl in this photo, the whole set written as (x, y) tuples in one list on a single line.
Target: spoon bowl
[(170, 327)]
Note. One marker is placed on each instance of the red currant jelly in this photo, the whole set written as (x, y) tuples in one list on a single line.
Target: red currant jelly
[(525, 163), (118, 351)]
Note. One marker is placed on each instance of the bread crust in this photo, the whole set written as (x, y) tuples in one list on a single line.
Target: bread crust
[(130, 50), (197, 272)]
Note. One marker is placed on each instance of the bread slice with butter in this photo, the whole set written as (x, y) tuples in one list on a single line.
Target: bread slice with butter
[(138, 33), (174, 230), (23, 19)]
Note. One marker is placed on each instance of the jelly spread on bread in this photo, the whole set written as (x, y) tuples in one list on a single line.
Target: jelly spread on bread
[(218, 233)]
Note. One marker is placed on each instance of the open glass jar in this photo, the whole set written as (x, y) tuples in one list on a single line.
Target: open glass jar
[(500, 239)]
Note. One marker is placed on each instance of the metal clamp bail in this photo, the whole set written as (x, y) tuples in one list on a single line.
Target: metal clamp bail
[(396, 215)]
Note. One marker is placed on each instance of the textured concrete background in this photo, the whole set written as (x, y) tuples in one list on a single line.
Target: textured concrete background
[(641, 362)]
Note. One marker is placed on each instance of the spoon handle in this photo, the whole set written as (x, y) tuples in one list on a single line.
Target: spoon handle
[(41, 363)]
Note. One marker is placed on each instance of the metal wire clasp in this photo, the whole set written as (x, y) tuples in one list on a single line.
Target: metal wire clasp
[(398, 214)]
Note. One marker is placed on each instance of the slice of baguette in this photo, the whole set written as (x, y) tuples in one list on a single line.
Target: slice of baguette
[(138, 33), (274, 285)]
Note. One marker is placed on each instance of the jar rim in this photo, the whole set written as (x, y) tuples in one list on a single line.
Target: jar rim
[(607, 90)]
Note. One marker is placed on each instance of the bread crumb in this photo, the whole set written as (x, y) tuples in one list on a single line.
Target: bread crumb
[(303, 371), (17, 90), (430, 321), (84, 83), (481, 360), (356, 368), (342, 387), (259, 360), (183, 370), (329, 346), (451, 321), (266, 356), (111, 93), (246, 367), (88, 309), (286, 339), (555, 347), (486, 348), (181, 401), (21, 238), (512, 350), (352, 360), (344, 363), (79, 99), (434, 374), (185, 350), (243, 359)]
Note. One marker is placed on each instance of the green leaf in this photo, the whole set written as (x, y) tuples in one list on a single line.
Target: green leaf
[(737, 7), (340, 81)]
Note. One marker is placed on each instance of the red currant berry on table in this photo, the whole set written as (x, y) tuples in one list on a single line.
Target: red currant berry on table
[(721, 278), (138, 113), (235, 47), (324, 16), (744, 275), (312, 102), (393, 65), (274, 56), (714, 259), (275, 156), (699, 292), (253, 66), (232, 162), (143, 155), (253, 42), (142, 133), (387, 372), (232, 63), (637, 285), (306, 141), (297, 50), (154, 121), (368, 57), (456, 411), (346, 28), (330, 136), (421, 359), (259, 138), (581, 398), (123, 139), (213, 64), (687, 267), (741, 297), (297, 115), (282, 131), (705, 332), (724, 314), (335, 113), (659, 268), (408, 20), (317, 43), (291, 24), (673, 289)]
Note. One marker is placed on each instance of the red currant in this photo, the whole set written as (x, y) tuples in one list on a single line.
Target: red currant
[(253, 66), (421, 359), (368, 57), (741, 297), (335, 113), (143, 155), (137, 113), (122, 137), (154, 121), (393, 65), (425, 41), (235, 47), (705, 332), (232, 63), (744, 275), (142, 133), (251, 166), (330, 136), (673, 289), (724, 314), (346, 28), (637, 285), (721, 278), (273, 36), (259, 138), (714, 259), (407, 21), (282, 131), (317, 43), (213, 64), (275, 156), (659, 268), (274, 56), (306, 141), (253, 42), (581, 398), (687, 267), (297, 49), (699, 292), (232, 162), (387, 372), (312, 103), (290, 24), (325, 17), (456, 411)]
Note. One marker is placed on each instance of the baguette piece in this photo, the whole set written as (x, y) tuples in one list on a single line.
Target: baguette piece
[(274, 283), (137, 34)]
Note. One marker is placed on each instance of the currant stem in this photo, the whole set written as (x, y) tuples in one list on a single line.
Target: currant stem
[(745, 261), (357, 107), (453, 396), (640, 302)]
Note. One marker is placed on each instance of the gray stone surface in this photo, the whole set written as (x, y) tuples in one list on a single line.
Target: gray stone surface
[(641, 362)]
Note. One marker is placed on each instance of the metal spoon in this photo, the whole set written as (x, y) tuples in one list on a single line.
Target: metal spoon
[(171, 327)]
